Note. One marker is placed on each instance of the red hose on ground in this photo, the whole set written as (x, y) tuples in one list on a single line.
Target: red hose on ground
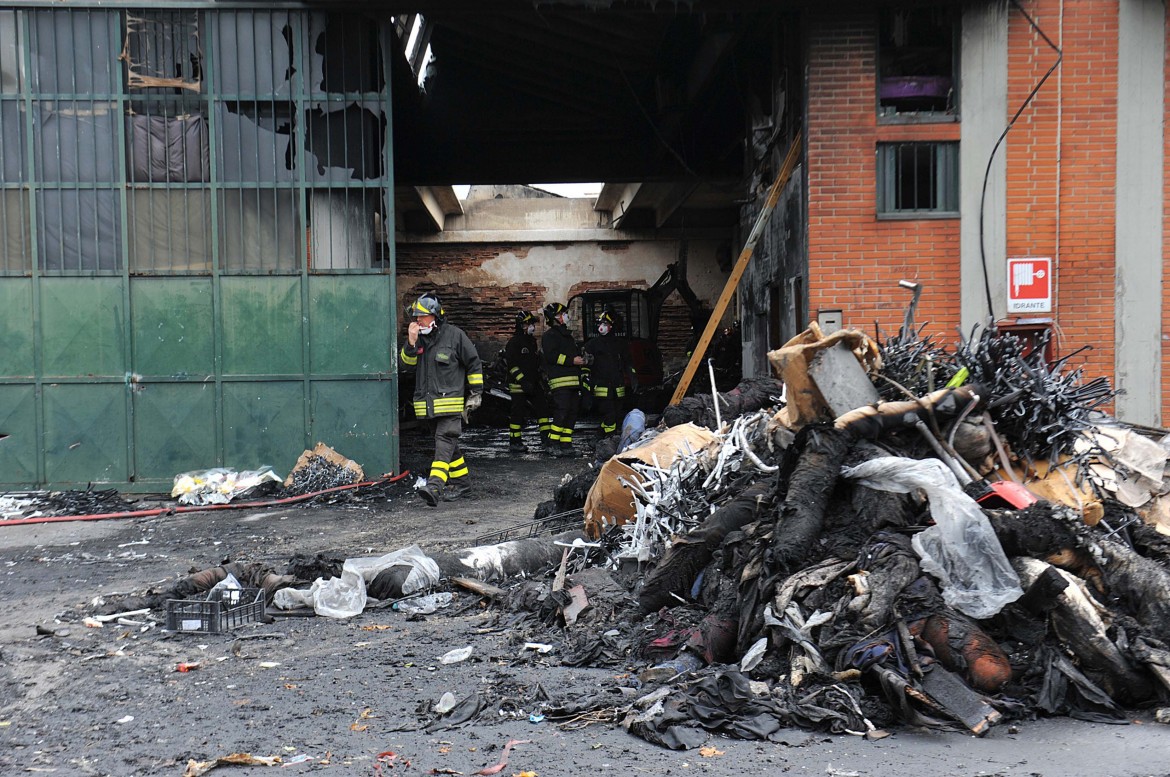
[(197, 508)]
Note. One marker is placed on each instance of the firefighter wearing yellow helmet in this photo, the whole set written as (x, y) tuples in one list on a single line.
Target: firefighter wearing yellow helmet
[(562, 363), (609, 370), (524, 384), (442, 358)]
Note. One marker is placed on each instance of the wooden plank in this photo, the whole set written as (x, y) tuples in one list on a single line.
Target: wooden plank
[(479, 587), (737, 272)]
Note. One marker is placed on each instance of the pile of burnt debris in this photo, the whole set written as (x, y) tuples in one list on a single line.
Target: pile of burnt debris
[(913, 536), (879, 535)]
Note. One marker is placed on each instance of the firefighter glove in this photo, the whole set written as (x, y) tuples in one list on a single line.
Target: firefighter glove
[(474, 401)]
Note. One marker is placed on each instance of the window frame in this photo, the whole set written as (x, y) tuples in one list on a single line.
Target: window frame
[(889, 114), (946, 180)]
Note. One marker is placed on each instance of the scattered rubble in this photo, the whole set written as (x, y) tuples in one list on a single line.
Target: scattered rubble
[(976, 543)]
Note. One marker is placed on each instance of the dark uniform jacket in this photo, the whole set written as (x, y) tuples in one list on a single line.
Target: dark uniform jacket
[(611, 364), (441, 361), (559, 349), (523, 364)]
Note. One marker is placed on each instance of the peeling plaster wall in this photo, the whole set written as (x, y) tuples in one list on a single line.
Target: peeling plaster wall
[(483, 284)]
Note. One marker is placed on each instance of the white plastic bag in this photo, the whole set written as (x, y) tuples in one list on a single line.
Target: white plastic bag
[(961, 549), (426, 604), (345, 596), (229, 583)]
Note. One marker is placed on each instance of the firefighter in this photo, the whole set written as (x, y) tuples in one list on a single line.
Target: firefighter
[(523, 360), (610, 368), (562, 363), (442, 358)]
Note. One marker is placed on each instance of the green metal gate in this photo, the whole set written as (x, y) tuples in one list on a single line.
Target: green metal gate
[(196, 251)]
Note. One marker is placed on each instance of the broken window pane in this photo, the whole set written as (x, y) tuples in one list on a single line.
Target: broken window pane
[(254, 141), (253, 53), (344, 54), (77, 230), (917, 61), (345, 143), (161, 49)]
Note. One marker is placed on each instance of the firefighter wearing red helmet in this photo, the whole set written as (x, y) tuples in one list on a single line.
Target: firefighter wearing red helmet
[(442, 358), (562, 363), (524, 384)]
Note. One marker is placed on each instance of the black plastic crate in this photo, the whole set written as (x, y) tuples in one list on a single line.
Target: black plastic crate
[(225, 611)]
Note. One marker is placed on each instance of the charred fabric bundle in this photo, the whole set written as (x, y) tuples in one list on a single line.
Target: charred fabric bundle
[(899, 630), (748, 396)]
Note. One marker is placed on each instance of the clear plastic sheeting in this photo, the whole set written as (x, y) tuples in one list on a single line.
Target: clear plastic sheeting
[(345, 596), (961, 549)]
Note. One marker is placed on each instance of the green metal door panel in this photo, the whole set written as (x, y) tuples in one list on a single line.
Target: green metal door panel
[(16, 327), (174, 429), (349, 324), (85, 433), (18, 420), (172, 325), (83, 327), (263, 423), (358, 420), (262, 325)]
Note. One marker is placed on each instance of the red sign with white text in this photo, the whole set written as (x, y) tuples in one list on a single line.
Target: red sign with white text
[(1030, 285)]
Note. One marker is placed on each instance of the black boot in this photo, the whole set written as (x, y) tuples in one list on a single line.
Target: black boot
[(516, 445), (455, 490), (431, 493)]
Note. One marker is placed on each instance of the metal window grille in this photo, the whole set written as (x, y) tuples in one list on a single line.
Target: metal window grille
[(155, 141), (917, 178)]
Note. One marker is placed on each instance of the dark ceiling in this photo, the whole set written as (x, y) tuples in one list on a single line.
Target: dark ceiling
[(521, 92)]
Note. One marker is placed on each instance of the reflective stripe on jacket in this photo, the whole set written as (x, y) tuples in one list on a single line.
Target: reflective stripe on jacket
[(441, 362), (559, 349), (523, 363)]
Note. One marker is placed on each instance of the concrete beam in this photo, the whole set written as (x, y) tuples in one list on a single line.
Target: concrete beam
[(617, 199), (439, 202)]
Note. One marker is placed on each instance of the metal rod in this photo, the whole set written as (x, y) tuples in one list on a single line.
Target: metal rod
[(714, 394)]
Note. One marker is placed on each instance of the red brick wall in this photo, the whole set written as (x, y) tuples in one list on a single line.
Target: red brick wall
[(1061, 161), (487, 313), (855, 260)]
